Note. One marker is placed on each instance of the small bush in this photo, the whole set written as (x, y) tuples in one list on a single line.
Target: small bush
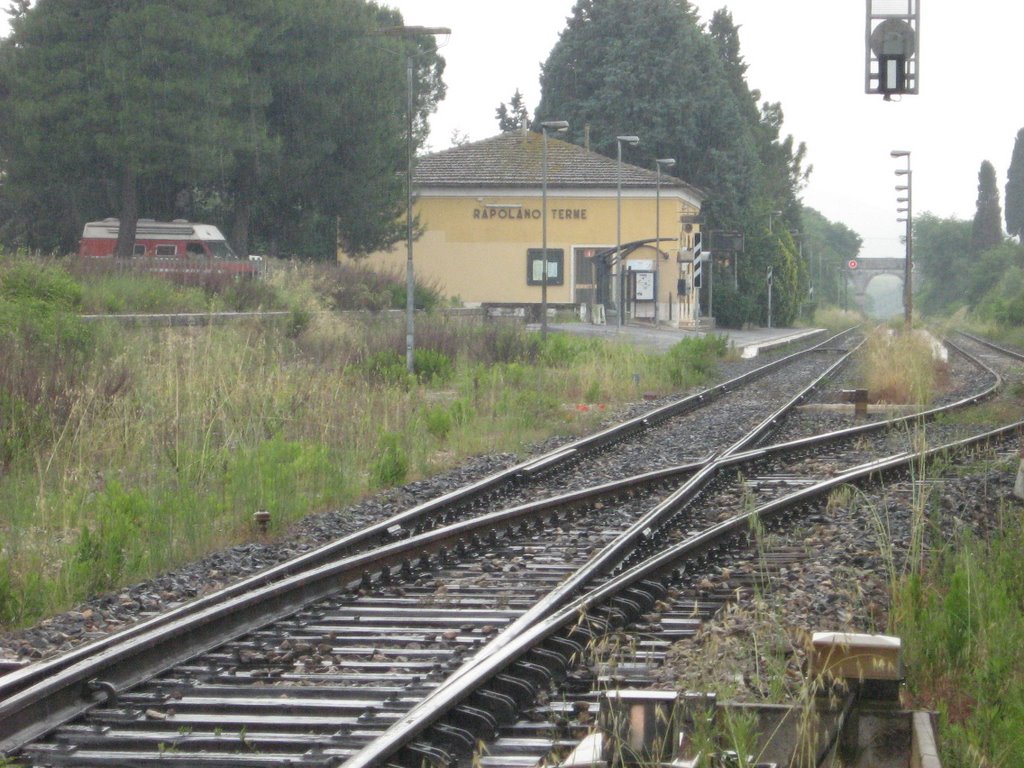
[(104, 555), (899, 368), (432, 367), (461, 411), (251, 295), (563, 349), (25, 281), (116, 293), (391, 466), (424, 297), (299, 319), (500, 343), (386, 368), (438, 421), (693, 361)]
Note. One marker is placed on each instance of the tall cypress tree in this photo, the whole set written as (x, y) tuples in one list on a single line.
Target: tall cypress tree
[(1015, 188), (987, 230), (690, 101)]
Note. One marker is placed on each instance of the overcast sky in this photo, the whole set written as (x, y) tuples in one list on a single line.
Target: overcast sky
[(808, 55)]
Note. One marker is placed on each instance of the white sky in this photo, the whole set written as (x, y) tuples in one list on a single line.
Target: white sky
[(809, 55)]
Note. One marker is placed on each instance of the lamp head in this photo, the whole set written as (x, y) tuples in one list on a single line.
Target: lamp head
[(899, 153), (666, 162), (555, 125), (631, 140)]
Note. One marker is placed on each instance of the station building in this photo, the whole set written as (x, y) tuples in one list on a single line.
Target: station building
[(480, 211)]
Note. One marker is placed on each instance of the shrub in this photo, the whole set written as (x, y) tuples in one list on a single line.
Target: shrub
[(693, 360), (438, 421), (425, 297), (386, 368), (501, 343), (432, 367), (24, 282), (391, 466), (251, 295), (106, 554), (461, 411), (563, 349), (299, 319), (285, 477)]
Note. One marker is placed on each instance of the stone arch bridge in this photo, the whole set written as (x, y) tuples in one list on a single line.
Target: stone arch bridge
[(860, 272)]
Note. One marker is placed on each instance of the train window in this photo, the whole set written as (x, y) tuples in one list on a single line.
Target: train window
[(166, 250), (138, 250)]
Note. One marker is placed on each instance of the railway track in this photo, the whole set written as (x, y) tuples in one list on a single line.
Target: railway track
[(391, 641)]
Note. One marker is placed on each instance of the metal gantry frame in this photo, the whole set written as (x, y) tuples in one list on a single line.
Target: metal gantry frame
[(892, 44)]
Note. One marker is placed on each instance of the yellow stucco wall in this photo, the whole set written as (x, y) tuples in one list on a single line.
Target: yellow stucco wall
[(474, 245)]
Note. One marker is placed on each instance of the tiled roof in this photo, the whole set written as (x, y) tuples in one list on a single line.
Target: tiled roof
[(515, 159)]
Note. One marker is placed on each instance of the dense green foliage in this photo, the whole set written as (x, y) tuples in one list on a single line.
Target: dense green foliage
[(987, 229), (962, 626), (943, 261), (827, 247), (971, 265), (514, 115), (690, 102), (1015, 188), (951, 276), (282, 121), (126, 451)]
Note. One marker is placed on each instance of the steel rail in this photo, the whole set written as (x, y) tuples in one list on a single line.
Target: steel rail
[(645, 527), (486, 665), (430, 543), (992, 345), (67, 692), (26, 677)]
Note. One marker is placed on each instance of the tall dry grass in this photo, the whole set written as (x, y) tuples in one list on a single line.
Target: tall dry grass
[(901, 368)]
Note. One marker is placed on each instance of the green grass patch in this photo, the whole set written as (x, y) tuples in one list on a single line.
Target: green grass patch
[(693, 360), (125, 452), (962, 626)]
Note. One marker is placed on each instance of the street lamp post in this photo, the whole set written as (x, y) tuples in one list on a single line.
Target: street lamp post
[(620, 272), (560, 126), (662, 162), (772, 214), (410, 280), (908, 306)]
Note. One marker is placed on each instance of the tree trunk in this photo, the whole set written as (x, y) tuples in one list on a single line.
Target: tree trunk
[(129, 217), (245, 183)]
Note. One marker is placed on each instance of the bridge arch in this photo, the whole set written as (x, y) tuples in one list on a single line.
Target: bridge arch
[(860, 273)]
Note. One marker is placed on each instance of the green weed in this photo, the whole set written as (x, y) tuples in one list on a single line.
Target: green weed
[(693, 361), (963, 632), (392, 464)]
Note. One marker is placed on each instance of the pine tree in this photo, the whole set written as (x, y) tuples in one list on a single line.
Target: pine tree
[(987, 230), (513, 116), (1015, 188), (250, 114)]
